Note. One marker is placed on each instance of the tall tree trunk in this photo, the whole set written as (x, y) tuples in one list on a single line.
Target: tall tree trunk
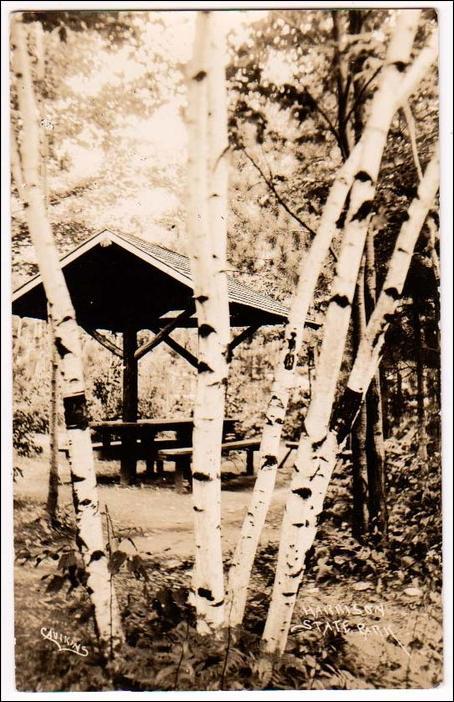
[(359, 431), (310, 477), (375, 447), (243, 559), (207, 223), (376, 476), (52, 495), (317, 459), (284, 376), (90, 538), (420, 385)]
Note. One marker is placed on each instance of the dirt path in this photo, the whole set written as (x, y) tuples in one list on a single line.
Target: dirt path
[(160, 519)]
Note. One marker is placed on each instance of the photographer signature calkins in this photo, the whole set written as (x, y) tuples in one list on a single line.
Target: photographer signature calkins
[(64, 642)]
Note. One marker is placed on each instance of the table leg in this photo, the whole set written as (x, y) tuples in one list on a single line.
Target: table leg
[(249, 462), (148, 443), (183, 465)]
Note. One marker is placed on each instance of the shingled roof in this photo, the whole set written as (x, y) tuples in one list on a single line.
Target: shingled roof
[(109, 266)]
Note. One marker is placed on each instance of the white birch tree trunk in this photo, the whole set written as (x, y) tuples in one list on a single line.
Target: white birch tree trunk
[(207, 227), (308, 487), (368, 356), (243, 558), (90, 538), (316, 459), (284, 376)]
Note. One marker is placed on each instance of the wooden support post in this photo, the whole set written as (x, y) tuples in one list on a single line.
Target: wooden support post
[(130, 400)]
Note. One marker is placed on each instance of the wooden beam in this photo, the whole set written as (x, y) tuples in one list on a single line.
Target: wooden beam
[(175, 346), (104, 341), (245, 334), (163, 333)]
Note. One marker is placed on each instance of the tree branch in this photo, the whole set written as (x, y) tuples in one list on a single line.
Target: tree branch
[(322, 112), (412, 134), (361, 93), (282, 202), (278, 197)]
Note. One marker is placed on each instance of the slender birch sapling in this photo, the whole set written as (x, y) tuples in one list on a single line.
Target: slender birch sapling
[(90, 538)]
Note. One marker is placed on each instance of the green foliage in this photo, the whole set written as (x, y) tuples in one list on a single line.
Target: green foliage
[(25, 424)]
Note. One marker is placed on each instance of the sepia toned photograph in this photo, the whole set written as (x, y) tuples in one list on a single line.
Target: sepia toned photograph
[(225, 242)]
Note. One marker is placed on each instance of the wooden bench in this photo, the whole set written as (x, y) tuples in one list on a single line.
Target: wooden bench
[(181, 457), (112, 451)]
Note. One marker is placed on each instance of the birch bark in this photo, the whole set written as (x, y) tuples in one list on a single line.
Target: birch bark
[(254, 520), (284, 376), (308, 486), (207, 221), (316, 459), (90, 538)]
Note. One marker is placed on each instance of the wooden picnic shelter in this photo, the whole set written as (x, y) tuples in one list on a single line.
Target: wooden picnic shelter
[(123, 284)]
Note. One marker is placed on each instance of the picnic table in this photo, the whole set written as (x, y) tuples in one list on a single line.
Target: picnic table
[(141, 437)]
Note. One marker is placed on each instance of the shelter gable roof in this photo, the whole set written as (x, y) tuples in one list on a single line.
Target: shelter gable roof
[(173, 264)]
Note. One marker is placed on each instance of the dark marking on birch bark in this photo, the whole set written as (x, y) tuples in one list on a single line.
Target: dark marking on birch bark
[(85, 502), (341, 300), (77, 478), (393, 293), (288, 594), (269, 460), (197, 509), (298, 525), (201, 298), (200, 76), (304, 492), (26, 204), (405, 217), (204, 367), (61, 348), (205, 330), (298, 573), (400, 65), (203, 477), (318, 444), (75, 409), (218, 604), (96, 556), (363, 211), (204, 592), (401, 249), (343, 215), (363, 177), (277, 400), (289, 360)]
